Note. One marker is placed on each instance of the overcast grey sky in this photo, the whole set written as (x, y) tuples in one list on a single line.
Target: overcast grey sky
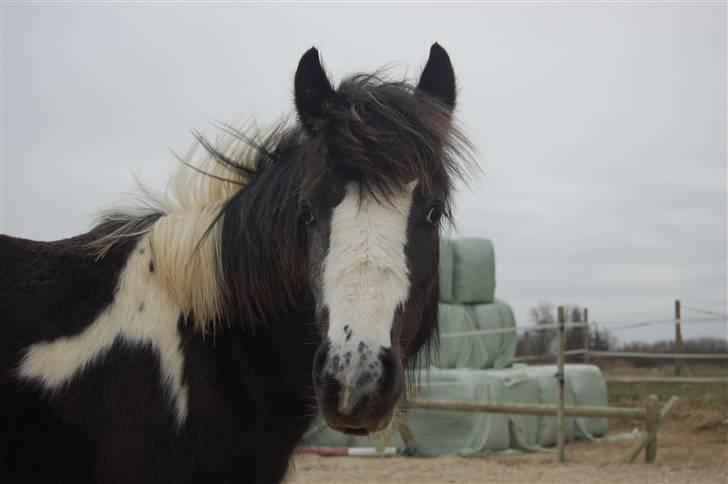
[(600, 128)]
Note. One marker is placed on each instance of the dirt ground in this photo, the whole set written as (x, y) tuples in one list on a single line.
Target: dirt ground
[(692, 448)]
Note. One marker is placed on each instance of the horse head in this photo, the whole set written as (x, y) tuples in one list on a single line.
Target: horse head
[(370, 216)]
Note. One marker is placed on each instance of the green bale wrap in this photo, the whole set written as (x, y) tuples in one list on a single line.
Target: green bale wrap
[(521, 388), (548, 426), (460, 433), (500, 347), (474, 271), (459, 352), (590, 389)]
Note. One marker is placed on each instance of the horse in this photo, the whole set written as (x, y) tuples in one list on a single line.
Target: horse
[(291, 272)]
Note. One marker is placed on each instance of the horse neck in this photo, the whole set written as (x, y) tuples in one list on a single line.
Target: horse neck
[(185, 259)]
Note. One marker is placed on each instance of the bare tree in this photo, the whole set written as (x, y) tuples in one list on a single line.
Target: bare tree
[(574, 336), (602, 339), (542, 341)]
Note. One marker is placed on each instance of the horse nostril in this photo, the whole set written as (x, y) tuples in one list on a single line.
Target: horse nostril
[(320, 358)]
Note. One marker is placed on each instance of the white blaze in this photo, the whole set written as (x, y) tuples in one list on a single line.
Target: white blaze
[(365, 272)]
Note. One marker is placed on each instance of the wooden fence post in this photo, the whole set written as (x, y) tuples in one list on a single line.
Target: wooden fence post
[(560, 379), (678, 341), (646, 437), (651, 428), (585, 335)]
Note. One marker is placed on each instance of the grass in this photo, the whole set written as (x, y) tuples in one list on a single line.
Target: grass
[(703, 395), (630, 394)]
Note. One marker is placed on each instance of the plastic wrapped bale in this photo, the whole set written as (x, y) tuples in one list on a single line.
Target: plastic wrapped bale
[(519, 387), (589, 388), (501, 347), (521, 384), (446, 270), (473, 271), (459, 352), (461, 433), (547, 426)]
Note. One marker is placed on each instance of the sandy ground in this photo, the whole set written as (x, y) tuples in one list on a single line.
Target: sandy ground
[(692, 448)]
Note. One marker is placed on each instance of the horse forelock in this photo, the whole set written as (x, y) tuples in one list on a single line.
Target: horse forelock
[(384, 134)]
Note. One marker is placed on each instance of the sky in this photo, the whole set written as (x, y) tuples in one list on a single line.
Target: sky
[(600, 128)]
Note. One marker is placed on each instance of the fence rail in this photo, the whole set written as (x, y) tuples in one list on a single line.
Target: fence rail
[(669, 356), (634, 413), (651, 414), (678, 356), (669, 379), (611, 326)]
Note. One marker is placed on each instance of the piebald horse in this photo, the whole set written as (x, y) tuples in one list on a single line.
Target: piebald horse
[(289, 273)]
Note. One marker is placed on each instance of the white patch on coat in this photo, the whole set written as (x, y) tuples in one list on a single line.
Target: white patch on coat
[(365, 271), (142, 313), (193, 199)]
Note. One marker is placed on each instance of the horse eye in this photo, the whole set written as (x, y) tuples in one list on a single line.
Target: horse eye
[(434, 215), (307, 216)]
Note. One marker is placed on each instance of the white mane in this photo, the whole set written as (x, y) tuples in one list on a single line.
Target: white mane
[(186, 257)]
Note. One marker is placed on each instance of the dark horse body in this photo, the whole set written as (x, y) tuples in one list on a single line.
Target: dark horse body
[(196, 344), (251, 399)]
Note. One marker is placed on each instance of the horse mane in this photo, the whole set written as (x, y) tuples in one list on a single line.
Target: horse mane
[(225, 236), (181, 221)]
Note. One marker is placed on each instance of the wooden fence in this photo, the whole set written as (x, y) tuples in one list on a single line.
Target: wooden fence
[(679, 357), (651, 413)]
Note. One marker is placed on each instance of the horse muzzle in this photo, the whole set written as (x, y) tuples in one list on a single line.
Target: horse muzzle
[(357, 386)]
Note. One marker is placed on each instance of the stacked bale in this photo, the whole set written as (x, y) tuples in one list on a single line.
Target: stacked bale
[(467, 295)]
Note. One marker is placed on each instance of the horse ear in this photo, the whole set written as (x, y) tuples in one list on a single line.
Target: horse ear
[(438, 77), (312, 89)]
